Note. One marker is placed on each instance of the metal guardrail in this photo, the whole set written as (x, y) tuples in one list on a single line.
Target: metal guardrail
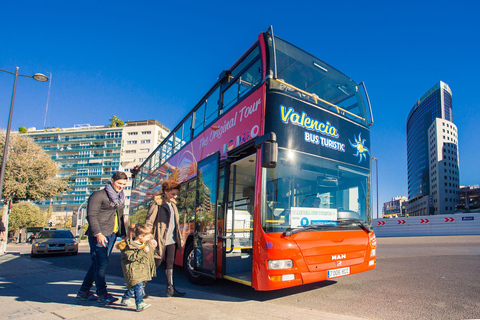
[(437, 225)]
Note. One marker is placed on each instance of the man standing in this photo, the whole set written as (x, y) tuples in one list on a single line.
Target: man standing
[(105, 223)]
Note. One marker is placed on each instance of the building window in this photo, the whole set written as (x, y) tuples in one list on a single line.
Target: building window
[(130, 151), (146, 132), (133, 133), (145, 141), (132, 142)]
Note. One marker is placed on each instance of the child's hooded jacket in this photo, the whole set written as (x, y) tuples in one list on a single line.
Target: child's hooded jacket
[(137, 265)]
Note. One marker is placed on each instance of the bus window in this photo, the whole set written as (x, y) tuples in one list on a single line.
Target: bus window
[(186, 204), (211, 104), (230, 96), (299, 184), (199, 119), (309, 74), (250, 78), (178, 140), (169, 147), (254, 54), (164, 153), (245, 79), (187, 130), (156, 162)]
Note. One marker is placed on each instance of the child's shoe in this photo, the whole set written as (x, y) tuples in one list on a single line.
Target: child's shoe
[(142, 306), (127, 303)]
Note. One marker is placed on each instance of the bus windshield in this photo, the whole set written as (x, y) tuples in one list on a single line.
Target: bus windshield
[(323, 84), (305, 190)]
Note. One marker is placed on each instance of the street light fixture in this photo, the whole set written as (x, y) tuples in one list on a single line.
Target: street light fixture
[(376, 176), (39, 77)]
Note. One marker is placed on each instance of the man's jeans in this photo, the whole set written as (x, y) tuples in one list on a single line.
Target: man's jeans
[(135, 291), (100, 257)]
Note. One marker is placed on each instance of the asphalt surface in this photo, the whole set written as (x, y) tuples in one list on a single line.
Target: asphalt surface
[(415, 278)]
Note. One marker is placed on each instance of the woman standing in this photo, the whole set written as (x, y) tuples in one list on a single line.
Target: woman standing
[(163, 218)]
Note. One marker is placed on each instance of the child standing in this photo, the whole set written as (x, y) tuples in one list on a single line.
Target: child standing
[(138, 265)]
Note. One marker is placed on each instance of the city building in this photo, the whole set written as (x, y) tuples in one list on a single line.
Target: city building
[(140, 138), (469, 199), (444, 172), (88, 156), (432, 154), (395, 208)]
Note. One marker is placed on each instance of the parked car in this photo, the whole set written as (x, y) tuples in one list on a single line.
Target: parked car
[(54, 242)]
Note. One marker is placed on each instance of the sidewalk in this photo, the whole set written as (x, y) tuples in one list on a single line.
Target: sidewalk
[(36, 289)]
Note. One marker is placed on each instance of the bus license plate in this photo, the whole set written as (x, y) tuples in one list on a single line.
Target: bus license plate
[(338, 272)]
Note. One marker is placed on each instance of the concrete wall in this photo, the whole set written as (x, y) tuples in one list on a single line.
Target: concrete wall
[(437, 225)]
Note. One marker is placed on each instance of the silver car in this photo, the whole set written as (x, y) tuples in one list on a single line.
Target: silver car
[(54, 242)]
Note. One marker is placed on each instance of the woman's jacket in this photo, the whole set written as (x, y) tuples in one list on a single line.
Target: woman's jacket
[(158, 218)]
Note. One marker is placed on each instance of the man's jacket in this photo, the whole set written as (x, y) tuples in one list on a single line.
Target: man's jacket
[(101, 215)]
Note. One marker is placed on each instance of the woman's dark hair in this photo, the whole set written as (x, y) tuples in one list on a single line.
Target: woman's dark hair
[(170, 185), (119, 175)]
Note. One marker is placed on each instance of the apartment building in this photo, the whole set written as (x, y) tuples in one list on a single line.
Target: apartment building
[(88, 156)]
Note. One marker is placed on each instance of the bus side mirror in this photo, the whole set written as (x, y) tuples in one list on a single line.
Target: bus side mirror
[(269, 153)]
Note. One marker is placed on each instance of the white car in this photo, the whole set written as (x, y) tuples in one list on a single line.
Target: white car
[(54, 242)]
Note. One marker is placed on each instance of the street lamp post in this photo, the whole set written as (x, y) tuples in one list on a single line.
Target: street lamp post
[(79, 212), (39, 77), (376, 176)]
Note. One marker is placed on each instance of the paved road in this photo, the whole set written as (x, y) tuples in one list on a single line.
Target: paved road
[(415, 278)]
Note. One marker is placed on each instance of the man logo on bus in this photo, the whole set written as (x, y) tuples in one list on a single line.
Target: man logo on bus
[(360, 146)]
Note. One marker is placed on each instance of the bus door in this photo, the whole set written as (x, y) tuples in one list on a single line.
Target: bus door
[(238, 224), (205, 231)]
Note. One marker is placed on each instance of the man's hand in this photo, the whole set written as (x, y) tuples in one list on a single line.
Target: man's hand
[(101, 240)]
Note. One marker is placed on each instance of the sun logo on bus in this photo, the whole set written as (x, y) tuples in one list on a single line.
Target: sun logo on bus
[(359, 144)]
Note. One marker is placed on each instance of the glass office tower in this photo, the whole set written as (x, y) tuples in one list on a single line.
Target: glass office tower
[(436, 103)]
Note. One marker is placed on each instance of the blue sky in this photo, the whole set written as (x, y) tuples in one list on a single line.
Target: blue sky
[(156, 59)]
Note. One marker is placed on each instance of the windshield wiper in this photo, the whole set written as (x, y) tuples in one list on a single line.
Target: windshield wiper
[(360, 223), (290, 231)]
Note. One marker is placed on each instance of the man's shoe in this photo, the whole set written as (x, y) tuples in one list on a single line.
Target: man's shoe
[(127, 303), (142, 306), (86, 296), (107, 298)]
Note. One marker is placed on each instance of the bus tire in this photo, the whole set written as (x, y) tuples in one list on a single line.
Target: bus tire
[(192, 275)]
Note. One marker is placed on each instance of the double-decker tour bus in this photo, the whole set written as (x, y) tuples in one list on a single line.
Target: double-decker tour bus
[(274, 166)]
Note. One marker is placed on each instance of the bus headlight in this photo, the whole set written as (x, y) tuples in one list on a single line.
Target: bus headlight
[(372, 240), (280, 264)]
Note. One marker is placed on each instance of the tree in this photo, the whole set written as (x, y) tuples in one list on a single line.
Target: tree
[(115, 122), (30, 174), (22, 130), (25, 214), (139, 217)]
